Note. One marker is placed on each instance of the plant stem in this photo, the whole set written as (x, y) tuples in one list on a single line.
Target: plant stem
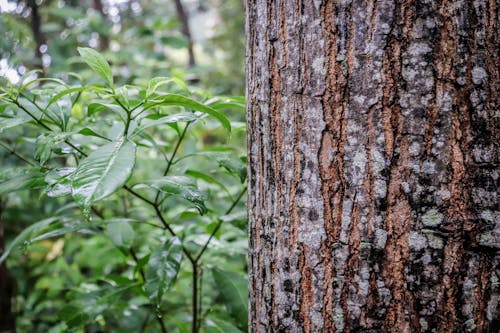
[(171, 159), (13, 152), (219, 223), (194, 321)]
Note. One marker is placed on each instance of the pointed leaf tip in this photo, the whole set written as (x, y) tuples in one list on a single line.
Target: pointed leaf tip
[(98, 63)]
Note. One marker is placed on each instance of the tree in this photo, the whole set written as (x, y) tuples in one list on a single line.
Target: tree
[(373, 166)]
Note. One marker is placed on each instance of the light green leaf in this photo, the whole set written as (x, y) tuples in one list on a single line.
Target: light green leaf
[(90, 132), (155, 83), (209, 179), (97, 62), (179, 100), (162, 269), (184, 187), (174, 118), (59, 181), (23, 239), (121, 233), (21, 179), (103, 172), (9, 122), (98, 107), (217, 325), (65, 92), (233, 290)]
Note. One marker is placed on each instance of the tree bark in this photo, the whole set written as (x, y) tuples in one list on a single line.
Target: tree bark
[(183, 18), (103, 38), (36, 29), (373, 165)]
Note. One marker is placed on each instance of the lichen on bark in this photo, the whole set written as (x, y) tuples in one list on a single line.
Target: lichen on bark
[(373, 165)]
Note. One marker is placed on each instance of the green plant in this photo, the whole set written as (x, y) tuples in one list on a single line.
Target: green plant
[(137, 191)]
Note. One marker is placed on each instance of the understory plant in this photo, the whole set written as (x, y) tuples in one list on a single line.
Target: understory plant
[(141, 191)]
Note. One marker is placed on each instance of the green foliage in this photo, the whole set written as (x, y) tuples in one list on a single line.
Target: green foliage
[(162, 269), (133, 204)]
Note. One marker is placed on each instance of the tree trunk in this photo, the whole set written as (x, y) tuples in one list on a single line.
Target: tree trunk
[(38, 36), (103, 37), (373, 166), (183, 18)]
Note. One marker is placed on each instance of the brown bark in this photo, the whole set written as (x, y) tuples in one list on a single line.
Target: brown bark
[(373, 165), (36, 29), (183, 18), (103, 38)]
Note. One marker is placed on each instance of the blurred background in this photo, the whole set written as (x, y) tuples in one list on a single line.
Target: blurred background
[(201, 41)]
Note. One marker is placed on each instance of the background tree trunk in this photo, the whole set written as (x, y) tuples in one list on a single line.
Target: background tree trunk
[(38, 36), (184, 20), (373, 166)]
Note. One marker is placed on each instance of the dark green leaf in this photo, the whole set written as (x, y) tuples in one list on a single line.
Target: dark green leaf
[(234, 291), (208, 179), (103, 172), (162, 269), (234, 165), (179, 100), (184, 187), (121, 233)]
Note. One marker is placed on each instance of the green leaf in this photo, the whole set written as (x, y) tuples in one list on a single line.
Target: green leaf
[(184, 187), (98, 64), (155, 83), (208, 179), (89, 304), (121, 233), (9, 122), (234, 165), (217, 325), (90, 132), (98, 107), (162, 269), (233, 290), (179, 100), (103, 172), (59, 181), (23, 239), (60, 111), (65, 92), (21, 179), (174, 118)]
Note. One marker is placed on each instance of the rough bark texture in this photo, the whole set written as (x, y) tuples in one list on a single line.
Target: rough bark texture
[(373, 165)]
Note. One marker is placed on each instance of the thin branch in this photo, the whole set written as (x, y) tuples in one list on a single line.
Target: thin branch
[(143, 275), (171, 159), (219, 223), (13, 152)]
